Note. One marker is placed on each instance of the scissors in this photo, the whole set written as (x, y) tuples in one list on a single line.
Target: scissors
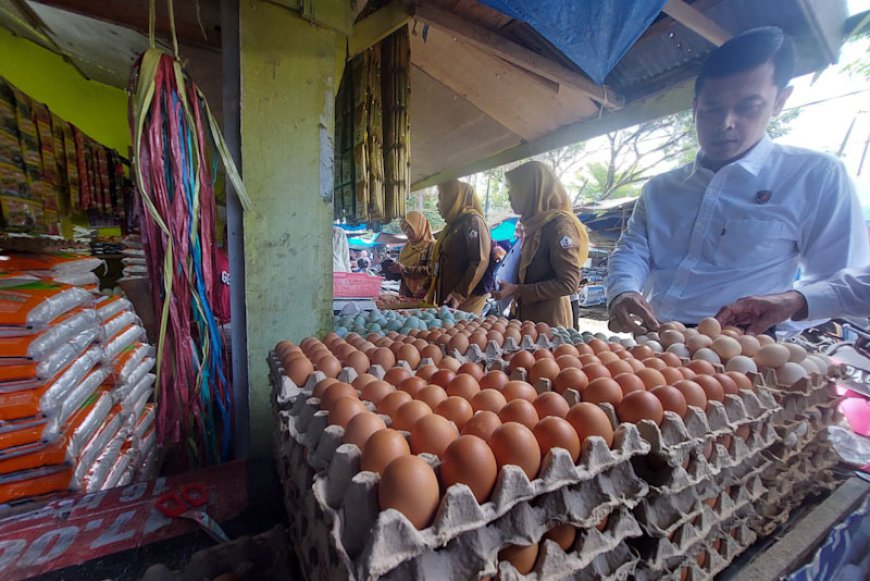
[(186, 503)]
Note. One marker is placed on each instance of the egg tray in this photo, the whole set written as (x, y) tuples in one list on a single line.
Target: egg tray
[(376, 542), (799, 439), (797, 411), (618, 564)]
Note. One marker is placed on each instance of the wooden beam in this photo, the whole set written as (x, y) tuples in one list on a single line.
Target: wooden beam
[(133, 14), (696, 21), (495, 44), (373, 29)]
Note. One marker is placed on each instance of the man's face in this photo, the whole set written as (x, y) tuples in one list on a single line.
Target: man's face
[(732, 113)]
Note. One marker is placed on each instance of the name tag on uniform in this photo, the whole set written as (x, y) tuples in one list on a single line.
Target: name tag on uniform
[(566, 242)]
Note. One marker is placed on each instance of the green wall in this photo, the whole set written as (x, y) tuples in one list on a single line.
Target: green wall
[(97, 109)]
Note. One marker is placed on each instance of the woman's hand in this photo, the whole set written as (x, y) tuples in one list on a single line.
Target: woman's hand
[(397, 267), (505, 290), (453, 301)]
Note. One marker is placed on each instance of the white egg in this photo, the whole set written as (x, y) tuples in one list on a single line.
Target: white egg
[(679, 350), (765, 340), (628, 343), (710, 327), (811, 366), (796, 352), (790, 373), (690, 333), (654, 336), (749, 345), (671, 337), (726, 347), (698, 342), (741, 364), (820, 362), (655, 346), (642, 339), (705, 354), (774, 356)]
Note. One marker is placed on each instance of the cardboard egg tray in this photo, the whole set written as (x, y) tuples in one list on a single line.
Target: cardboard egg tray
[(615, 565)]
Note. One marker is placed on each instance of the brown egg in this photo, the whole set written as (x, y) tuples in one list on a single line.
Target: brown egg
[(361, 427), (381, 448), (741, 380), (456, 409), (426, 372), (432, 352), (376, 391), (729, 386), (344, 409), (283, 347), (519, 390), (408, 414), (334, 392), (358, 361), (442, 377), (671, 398), (654, 363), (431, 395), (570, 378), (344, 350), (566, 361), (651, 377), (583, 349), (636, 365), (409, 485), (515, 444), (551, 404), (603, 523), (598, 346), (687, 373), (544, 369), (397, 375), (520, 411), (543, 354), (608, 357), (458, 343), (640, 405), (521, 360), (469, 460), (590, 420), (565, 349), (409, 354), (482, 424), (472, 369), (694, 393), (392, 402), (553, 432), (642, 352), (701, 367), (603, 390), (321, 386), (362, 380), (521, 557), (495, 379), (478, 338), (671, 374), (596, 371), (629, 382), (744, 431), (618, 367), (671, 360), (412, 385), (712, 388), (488, 399), (590, 359), (329, 365), (463, 385), (495, 336), (298, 370), (432, 434), (563, 535)]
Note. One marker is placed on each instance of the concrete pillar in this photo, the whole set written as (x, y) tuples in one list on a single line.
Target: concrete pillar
[(288, 84)]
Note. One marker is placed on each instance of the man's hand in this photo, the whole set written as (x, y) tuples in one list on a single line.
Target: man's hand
[(630, 313), (397, 267), (758, 314), (453, 301), (505, 290)]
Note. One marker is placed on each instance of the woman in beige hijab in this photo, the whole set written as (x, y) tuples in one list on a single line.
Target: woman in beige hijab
[(461, 251), (555, 246), (415, 260)]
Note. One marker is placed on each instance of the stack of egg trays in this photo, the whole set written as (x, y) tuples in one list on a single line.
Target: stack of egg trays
[(325, 490)]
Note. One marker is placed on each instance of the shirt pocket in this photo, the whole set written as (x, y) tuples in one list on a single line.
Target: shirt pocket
[(754, 242)]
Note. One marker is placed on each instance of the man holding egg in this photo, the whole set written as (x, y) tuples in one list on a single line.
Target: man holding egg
[(746, 214)]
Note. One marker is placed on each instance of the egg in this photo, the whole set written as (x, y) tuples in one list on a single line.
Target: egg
[(696, 342), (765, 340), (408, 414), (443, 377), (707, 355), (741, 364), (823, 362), (409, 485), (749, 345), (619, 366), (565, 349), (344, 409), (629, 382), (671, 374), (640, 405), (397, 375), (680, 351), (299, 369), (472, 369), (410, 355), (642, 352), (321, 386), (729, 386), (571, 378), (469, 460), (590, 420), (701, 367), (329, 365), (520, 411), (358, 361), (608, 357), (598, 371), (543, 354), (544, 369), (563, 535), (381, 448), (810, 365), (463, 385), (670, 337), (654, 363), (431, 395), (603, 390), (412, 385), (383, 357), (671, 360), (521, 360), (426, 371), (519, 390), (796, 352), (712, 388), (482, 424), (772, 356), (495, 379), (551, 404), (478, 338), (488, 399), (456, 409), (790, 373), (740, 379), (433, 353), (458, 343), (655, 346), (671, 398), (651, 377), (553, 432), (710, 327), (392, 402), (432, 434), (361, 427), (694, 393), (522, 558), (335, 392), (726, 347), (515, 444)]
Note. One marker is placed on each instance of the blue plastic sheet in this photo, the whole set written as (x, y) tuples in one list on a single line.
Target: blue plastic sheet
[(594, 34), (844, 553)]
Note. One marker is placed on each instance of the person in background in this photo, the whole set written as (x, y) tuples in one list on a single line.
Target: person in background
[(555, 246), (415, 260), (847, 294), (746, 214), (340, 251), (461, 254), (508, 270)]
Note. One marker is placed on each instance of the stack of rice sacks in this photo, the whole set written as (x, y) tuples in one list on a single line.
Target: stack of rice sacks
[(135, 265)]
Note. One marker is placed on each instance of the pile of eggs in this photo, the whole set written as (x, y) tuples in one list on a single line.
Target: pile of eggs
[(377, 321)]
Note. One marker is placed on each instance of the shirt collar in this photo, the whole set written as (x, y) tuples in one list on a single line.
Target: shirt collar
[(752, 162)]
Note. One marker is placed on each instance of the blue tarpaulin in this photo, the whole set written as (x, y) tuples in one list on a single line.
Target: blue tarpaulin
[(594, 34), (504, 231)]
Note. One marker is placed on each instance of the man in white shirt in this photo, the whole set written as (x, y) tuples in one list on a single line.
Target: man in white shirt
[(747, 214)]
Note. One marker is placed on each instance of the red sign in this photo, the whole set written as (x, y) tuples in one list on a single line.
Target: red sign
[(72, 530)]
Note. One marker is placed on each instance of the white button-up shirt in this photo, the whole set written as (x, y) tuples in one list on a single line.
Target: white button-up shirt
[(699, 240), (845, 295)]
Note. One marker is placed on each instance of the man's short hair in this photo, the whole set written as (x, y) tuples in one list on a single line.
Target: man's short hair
[(748, 50)]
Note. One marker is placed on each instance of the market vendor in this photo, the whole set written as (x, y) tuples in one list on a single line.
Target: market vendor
[(461, 254), (847, 294), (415, 260), (555, 245), (746, 214)]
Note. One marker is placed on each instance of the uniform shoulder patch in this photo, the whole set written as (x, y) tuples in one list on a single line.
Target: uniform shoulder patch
[(566, 242), (472, 234)]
